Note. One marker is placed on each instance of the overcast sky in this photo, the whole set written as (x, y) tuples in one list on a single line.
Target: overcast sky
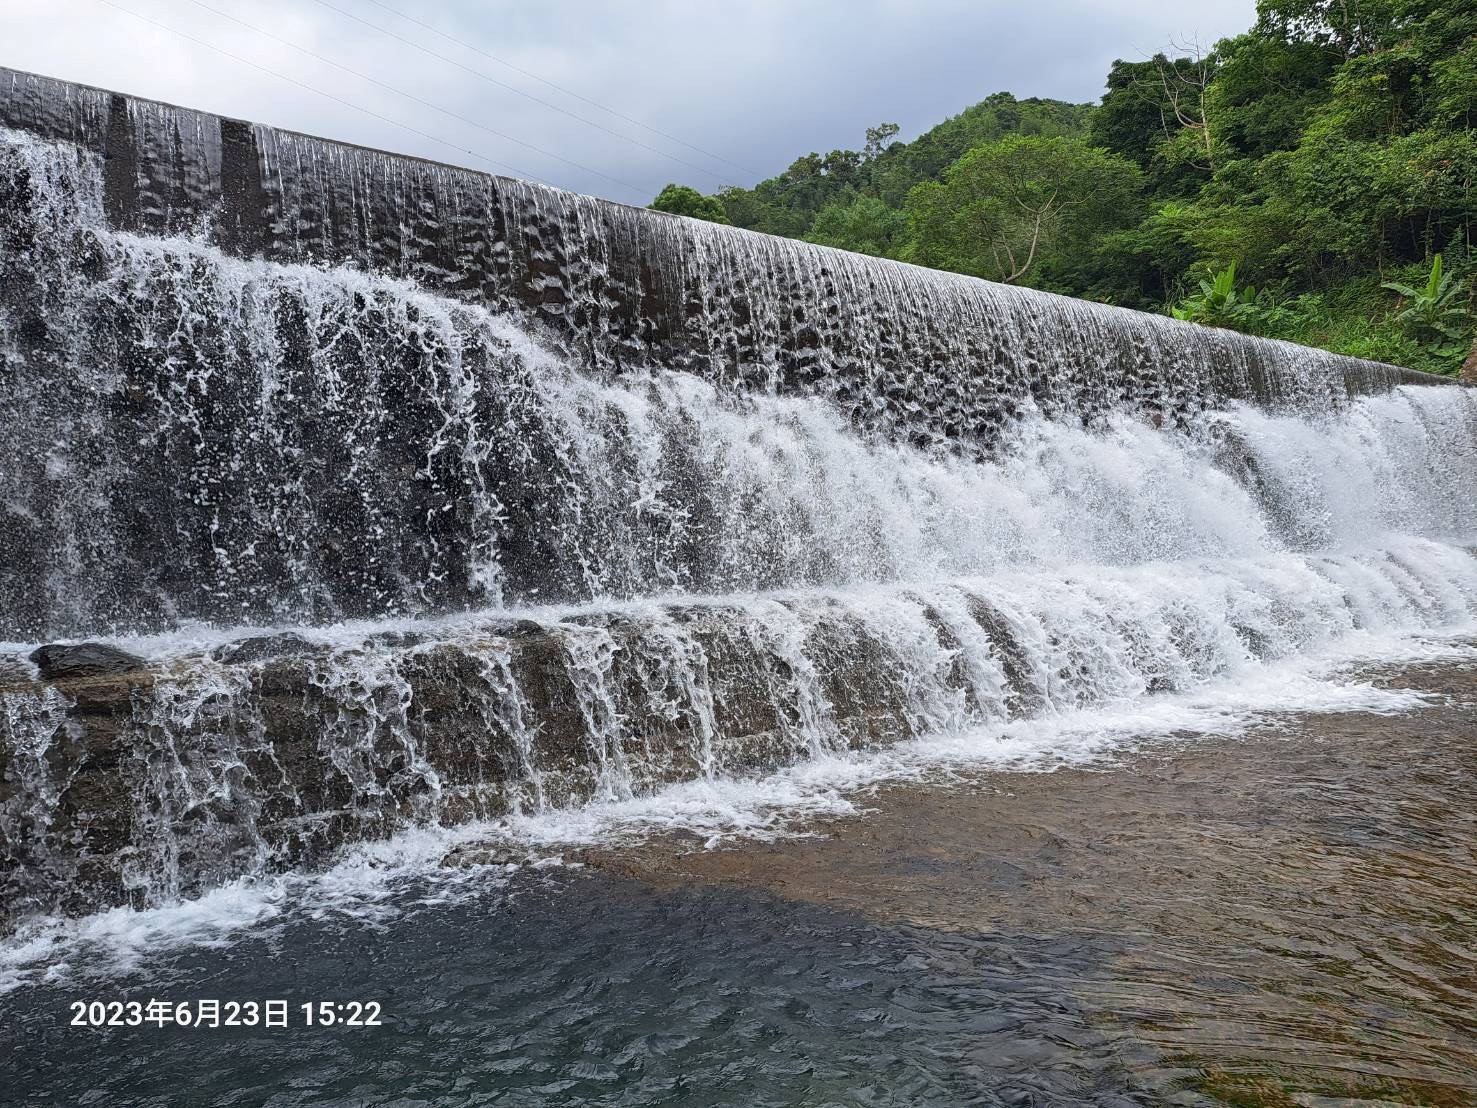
[(747, 85)]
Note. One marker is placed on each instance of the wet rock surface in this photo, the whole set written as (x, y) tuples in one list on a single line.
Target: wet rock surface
[(130, 782), (61, 662), (270, 753)]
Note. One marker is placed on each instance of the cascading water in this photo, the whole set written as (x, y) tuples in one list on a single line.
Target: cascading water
[(397, 543)]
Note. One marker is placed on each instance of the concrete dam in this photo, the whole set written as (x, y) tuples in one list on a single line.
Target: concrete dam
[(343, 492)]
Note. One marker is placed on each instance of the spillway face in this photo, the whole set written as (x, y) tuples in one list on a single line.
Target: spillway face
[(414, 495)]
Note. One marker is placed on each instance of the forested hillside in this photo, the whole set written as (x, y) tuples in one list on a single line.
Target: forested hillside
[(1312, 179)]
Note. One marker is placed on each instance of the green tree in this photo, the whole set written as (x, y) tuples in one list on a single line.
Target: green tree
[(1264, 90), (900, 166), (866, 225), (685, 200), (1156, 113), (879, 138), (1347, 27), (1018, 209), (1384, 173)]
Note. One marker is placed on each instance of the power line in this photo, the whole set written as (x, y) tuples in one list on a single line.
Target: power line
[(514, 89), (336, 99), (638, 189), (567, 92)]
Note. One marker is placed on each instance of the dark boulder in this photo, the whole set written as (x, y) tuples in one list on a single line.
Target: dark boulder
[(63, 661), (261, 648)]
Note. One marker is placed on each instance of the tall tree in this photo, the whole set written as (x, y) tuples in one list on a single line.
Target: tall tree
[(1015, 209), (686, 200), (1348, 27), (866, 225)]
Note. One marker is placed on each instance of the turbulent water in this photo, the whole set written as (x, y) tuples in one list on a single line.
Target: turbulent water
[(397, 559)]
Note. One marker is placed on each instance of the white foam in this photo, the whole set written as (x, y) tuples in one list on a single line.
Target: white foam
[(778, 804), (370, 882)]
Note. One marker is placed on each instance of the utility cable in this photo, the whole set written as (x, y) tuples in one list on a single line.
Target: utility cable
[(513, 88), (567, 91), (637, 189), (328, 95)]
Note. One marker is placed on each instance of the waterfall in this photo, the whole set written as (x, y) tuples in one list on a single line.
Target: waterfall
[(417, 496)]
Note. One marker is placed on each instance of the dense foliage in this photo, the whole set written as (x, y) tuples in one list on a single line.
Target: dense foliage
[(686, 200), (1327, 157)]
